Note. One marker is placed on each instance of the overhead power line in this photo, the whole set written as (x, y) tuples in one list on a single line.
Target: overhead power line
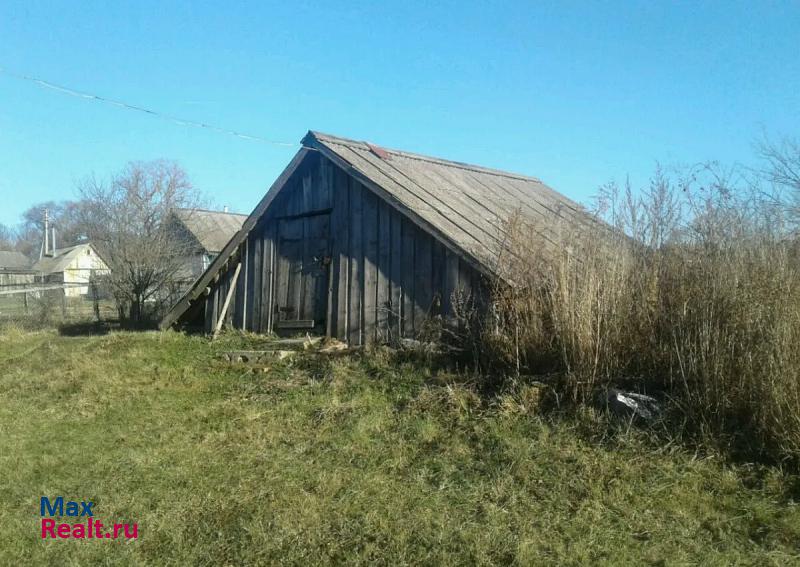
[(181, 121)]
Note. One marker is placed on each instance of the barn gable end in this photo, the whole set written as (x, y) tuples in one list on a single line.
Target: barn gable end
[(363, 244)]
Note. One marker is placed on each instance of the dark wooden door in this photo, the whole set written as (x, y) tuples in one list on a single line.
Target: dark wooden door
[(302, 273)]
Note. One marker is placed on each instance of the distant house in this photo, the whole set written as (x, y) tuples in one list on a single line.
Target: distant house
[(74, 266), (15, 270), (205, 233), (10, 259)]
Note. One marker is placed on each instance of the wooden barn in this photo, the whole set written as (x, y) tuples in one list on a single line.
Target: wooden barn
[(364, 244)]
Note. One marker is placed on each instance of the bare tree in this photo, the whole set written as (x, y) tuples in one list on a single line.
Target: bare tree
[(126, 219), (7, 238), (782, 161), (65, 219)]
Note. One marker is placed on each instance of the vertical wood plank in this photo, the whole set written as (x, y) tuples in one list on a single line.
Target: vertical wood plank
[(317, 242), (341, 243), (333, 274), (256, 267), (450, 283), (218, 299), (247, 288), (256, 272), (306, 290), (278, 206), (293, 244), (308, 196), (294, 197), (370, 242), (423, 292), (266, 279), (465, 278), (274, 264), (356, 265), (395, 278), (208, 323), (323, 196), (437, 277), (408, 278), (225, 285), (480, 290), (282, 267), (384, 270), (238, 298)]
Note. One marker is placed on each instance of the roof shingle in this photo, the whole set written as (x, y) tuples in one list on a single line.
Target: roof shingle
[(11, 260), (469, 204), (212, 229)]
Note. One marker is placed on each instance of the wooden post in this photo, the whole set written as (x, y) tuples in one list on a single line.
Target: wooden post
[(25, 302), (225, 305), (95, 298)]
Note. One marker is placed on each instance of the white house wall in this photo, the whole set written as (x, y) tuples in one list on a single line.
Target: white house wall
[(80, 271)]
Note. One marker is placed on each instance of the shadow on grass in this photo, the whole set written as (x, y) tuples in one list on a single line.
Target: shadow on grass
[(86, 328), (97, 328)]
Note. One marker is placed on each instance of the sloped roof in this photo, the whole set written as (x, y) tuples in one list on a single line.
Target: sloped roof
[(467, 204), (60, 259), (11, 260), (212, 229)]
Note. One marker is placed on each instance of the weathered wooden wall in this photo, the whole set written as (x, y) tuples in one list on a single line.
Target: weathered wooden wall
[(387, 276)]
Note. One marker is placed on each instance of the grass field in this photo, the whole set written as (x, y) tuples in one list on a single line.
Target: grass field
[(361, 459)]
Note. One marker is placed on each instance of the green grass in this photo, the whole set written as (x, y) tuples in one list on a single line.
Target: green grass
[(359, 460)]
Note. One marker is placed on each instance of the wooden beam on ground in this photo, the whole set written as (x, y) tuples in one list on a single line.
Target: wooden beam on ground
[(296, 324)]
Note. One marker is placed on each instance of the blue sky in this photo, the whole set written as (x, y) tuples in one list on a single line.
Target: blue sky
[(574, 93)]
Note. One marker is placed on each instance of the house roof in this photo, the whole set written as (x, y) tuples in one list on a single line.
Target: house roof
[(60, 259), (12, 260), (466, 206), (212, 229)]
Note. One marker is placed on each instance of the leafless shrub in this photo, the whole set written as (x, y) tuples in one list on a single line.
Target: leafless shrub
[(126, 219), (45, 308), (695, 291)]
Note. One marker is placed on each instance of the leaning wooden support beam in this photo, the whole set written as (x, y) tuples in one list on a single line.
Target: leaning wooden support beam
[(225, 305)]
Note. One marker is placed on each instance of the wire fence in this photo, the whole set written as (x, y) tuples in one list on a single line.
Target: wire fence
[(40, 306), (89, 305)]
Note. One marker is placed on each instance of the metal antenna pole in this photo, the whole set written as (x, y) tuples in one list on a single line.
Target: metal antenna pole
[(46, 233)]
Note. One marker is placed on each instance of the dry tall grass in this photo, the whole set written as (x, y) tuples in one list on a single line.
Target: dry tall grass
[(695, 291)]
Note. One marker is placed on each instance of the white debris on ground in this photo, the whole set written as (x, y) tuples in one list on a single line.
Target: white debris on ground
[(632, 404)]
